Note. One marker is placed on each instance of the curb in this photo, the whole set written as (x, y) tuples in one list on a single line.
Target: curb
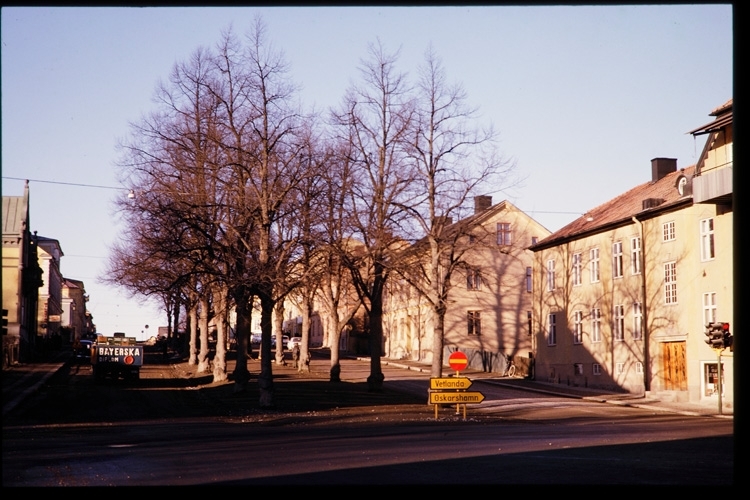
[(599, 399), (9, 406), (652, 405)]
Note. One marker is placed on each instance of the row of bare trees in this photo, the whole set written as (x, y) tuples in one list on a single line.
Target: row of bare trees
[(241, 195)]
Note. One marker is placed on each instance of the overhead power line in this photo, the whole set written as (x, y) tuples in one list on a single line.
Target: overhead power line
[(133, 195), (65, 183)]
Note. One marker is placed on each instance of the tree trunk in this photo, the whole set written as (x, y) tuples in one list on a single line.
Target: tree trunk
[(204, 363), (436, 370), (375, 380), (220, 359), (265, 379), (193, 360), (242, 335), (278, 332), (335, 337), (304, 357), (326, 333)]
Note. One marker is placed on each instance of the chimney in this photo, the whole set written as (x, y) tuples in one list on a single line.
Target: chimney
[(661, 167), (482, 203)]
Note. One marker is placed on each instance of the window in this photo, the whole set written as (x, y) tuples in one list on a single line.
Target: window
[(503, 233), (528, 280), (577, 368), (619, 323), (635, 255), (577, 262), (637, 321), (597, 369), (528, 318), (552, 330), (617, 259), (707, 239), (670, 283), (550, 275), (710, 382), (668, 231), (594, 256), (473, 279), (709, 308), (474, 323), (639, 367), (596, 325), (620, 367), (534, 240), (577, 327)]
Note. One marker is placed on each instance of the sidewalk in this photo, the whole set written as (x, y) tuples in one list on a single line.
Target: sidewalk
[(23, 379), (648, 401)]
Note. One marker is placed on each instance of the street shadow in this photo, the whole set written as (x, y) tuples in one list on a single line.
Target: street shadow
[(653, 463)]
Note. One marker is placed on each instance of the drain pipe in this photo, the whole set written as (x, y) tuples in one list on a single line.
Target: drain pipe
[(644, 311)]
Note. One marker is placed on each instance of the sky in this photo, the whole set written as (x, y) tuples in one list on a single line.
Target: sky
[(583, 97)]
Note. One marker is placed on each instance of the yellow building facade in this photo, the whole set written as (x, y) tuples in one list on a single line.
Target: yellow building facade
[(490, 300), (624, 293), (22, 278)]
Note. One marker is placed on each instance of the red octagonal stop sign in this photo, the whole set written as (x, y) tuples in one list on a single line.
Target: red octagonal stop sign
[(458, 361)]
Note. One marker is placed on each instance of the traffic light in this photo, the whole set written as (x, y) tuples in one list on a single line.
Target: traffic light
[(718, 335), (715, 334), (727, 335)]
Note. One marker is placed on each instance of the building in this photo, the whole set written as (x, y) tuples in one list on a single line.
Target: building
[(490, 299), (49, 312), (22, 278), (292, 324), (75, 321), (623, 294)]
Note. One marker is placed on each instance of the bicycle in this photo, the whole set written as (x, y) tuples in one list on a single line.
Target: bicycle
[(510, 369)]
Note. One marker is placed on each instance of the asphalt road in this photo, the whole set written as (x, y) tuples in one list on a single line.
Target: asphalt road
[(176, 428)]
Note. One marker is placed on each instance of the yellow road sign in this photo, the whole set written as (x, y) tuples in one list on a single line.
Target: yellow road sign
[(450, 383), (456, 398)]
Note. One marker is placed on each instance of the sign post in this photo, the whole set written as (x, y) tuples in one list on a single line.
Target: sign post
[(456, 384), (458, 361)]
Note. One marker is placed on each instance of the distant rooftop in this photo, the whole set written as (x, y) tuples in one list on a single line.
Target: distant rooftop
[(619, 210)]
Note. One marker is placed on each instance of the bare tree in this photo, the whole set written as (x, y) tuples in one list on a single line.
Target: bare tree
[(376, 119), (452, 157), (336, 289), (260, 136), (311, 208), (173, 163)]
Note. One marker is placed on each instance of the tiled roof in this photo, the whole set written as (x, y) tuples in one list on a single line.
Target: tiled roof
[(71, 283), (464, 225), (14, 214), (722, 108), (621, 209), (723, 115)]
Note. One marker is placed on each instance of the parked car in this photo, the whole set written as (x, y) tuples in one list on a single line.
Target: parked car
[(82, 351), (293, 342), (284, 341)]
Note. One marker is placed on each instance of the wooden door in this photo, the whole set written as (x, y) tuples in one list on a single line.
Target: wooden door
[(674, 366)]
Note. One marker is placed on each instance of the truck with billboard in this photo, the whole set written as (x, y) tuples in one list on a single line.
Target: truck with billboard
[(117, 356)]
